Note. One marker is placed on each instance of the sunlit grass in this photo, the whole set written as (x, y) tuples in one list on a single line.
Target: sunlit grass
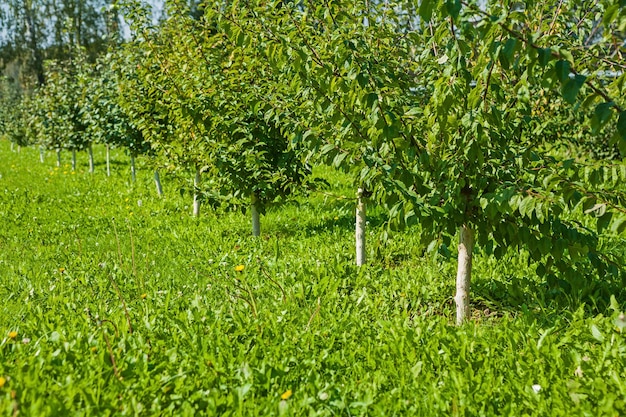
[(118, 302)]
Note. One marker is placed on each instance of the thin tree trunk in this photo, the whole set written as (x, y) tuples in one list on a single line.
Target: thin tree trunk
[(133, 171), (361, 217), (256, 220), (157, 182), (464, 274), (108, 160), (90, 151), (41, 154), (19, 148), (73, 159), (196, 195), (12, 145), (58, 158)]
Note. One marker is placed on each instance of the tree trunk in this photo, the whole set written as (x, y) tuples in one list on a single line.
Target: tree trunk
[(464, 274), (41, 154), (12, 146), (58, 158), (256, 220), (90, 151), (361, 216), (157, 182), (133, 171), (108, 160), (196, 195), (73, 159)]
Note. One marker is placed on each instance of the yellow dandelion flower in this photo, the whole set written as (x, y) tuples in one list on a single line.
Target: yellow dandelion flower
[(3, 381), (61, 270), (12, 334), (143, 296), (286, 395), (239, 268), (94, 349)]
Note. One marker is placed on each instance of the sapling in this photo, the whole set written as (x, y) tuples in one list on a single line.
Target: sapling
[(90, 152), (464, 274), (254, 209), (157, 182), (196, 195), (361, 216), (133, 171), (108, 160)]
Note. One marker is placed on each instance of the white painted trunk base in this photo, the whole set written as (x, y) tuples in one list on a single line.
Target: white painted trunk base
[(133, 171), (91, 164), (73, 159), (157, 183), (41, 154), (361, 218), (256, 220), (108, 157), (58, 158), (464, 274), (196, 195)]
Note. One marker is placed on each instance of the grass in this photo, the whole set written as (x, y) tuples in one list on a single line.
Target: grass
[(117, 302)]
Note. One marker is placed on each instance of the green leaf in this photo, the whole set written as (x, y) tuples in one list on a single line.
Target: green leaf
[(562, 69), (619, 225), (604, 221), (527, 206), (426, 9), (601, 116), (507, 53), (610, 14), (571, 88), (545, 55), (596, 333), (453, 7)]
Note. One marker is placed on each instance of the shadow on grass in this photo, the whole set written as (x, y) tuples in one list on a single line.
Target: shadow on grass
[(548, 299)]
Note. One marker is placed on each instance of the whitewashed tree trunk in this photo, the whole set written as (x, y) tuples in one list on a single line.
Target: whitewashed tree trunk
[(256, 220), (361, 217), (12, 145), (133, 171), (157, 182), (73, 159), (108, 160), (464, 274), (19, 149), (41, 154), (90, 151), (58, 158), (196, 195)]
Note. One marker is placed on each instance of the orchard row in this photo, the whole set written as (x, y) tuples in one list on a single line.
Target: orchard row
[(458, 116)]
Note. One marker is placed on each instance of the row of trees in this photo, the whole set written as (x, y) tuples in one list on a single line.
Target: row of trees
[(457, 115)]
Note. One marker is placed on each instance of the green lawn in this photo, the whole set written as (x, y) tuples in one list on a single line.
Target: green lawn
[(118, 302)]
